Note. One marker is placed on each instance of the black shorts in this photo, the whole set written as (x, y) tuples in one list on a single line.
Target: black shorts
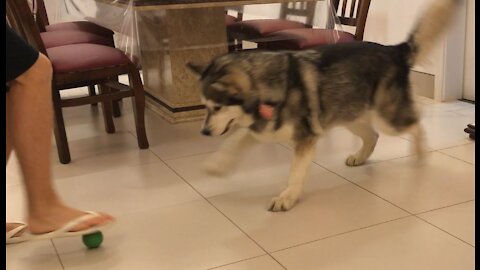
[(20, 56)]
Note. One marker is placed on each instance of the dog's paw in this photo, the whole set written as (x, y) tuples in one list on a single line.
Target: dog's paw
[(353, 160), (214, 169), (283, 202), (217, 166)]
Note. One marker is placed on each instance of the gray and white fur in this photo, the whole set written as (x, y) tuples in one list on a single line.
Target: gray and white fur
[(363, 86)]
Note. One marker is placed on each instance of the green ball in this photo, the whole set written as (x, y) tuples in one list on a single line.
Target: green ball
[(92, 240)]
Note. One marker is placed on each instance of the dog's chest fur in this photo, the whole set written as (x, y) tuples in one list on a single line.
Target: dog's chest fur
[(284, 134)]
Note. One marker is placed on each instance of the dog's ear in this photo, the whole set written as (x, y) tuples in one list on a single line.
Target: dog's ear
[(196, 68), (239, 79)]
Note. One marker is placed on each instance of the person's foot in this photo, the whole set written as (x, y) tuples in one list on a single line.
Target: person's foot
[(56, 217)]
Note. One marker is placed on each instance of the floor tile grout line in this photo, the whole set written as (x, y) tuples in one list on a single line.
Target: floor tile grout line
[(223, 214), (436, 149), (457, 158), (435, 226), (223, 265), (371, 191), (58, 254), (440, 152), (443, 207), (376, 195), (411, 214), (190, 155), (343, 233), (455, 146), (173, 158)]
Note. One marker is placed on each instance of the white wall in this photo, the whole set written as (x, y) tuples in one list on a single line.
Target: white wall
[(389, 22), (469, 79)]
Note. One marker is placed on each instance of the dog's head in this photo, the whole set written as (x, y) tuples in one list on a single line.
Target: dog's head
[(226, 91)]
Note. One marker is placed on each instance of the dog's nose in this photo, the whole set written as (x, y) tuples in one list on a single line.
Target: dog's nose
[(206, 132)]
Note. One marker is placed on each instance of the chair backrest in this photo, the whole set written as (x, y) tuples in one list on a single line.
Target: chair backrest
[(238, 10), (21, 20), (355, 16), (41, 16), (300, 9)]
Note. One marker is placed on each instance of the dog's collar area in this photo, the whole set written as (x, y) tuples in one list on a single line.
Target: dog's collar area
[(266, 111)]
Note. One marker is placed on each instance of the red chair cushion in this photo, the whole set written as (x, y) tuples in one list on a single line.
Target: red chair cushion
[(261, 28), (85, 26), (61, 38), (82, 57), (299, 39)]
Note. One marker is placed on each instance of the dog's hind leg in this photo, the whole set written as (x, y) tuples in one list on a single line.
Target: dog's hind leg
[(369, 136), (222, 161), (304, 152)]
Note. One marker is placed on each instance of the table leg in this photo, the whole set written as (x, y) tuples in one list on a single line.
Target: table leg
[(169, 39)]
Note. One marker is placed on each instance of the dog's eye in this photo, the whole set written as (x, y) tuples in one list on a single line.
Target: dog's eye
[(217, 108)]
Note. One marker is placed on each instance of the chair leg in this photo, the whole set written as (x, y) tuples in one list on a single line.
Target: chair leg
[(107, 110), (138, 104), (116, 104), (91, 92), (59, 130), (238, 45), (231, 44)]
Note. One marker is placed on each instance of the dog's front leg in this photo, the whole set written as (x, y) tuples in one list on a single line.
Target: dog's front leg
[(222, 161), (304, 152)]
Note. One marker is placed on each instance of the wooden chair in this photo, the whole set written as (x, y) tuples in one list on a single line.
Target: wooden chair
[(66, 33), (229, 21), (254, 30), (80, 65), (299, 39), (41, 18)]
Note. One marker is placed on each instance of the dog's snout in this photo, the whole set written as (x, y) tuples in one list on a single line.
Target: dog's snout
[(206, 132)]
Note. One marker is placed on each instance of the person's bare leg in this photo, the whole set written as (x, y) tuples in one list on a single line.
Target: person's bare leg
[(30, 118), (8, 138), (8, 147)]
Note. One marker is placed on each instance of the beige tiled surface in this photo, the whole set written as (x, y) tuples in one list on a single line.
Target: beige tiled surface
[(438, 181), (183, 236), (171, 215), (34, 255), (260, 263), (464, 152), (402, 244), (459, 220)]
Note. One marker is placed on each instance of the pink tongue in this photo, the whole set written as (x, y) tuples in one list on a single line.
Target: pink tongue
[(266, 111)]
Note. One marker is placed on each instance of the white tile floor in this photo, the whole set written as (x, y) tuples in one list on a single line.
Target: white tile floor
[(389, 214)]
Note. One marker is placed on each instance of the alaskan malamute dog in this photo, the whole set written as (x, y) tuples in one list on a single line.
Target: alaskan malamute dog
[(363, 86)]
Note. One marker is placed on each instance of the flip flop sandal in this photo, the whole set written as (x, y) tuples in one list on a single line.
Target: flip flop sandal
[(25, 236), (65, 231), (92, 237)]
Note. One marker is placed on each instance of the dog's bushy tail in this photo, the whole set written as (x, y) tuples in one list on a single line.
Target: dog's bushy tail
[(430, 27)]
